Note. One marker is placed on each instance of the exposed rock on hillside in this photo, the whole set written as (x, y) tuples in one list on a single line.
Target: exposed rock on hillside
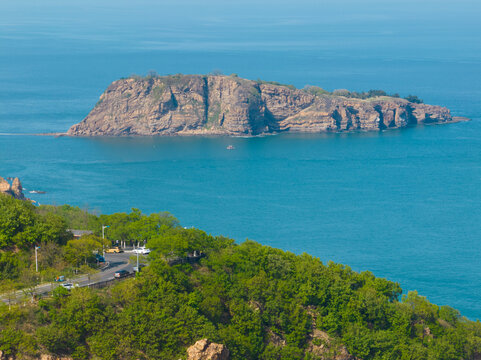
[(42, 357), (321, 346), (205, 350), (15, 189), (53, 357), (197, 104)]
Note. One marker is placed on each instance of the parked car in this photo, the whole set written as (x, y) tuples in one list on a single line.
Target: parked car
[(142, 251), (99, 258), (121, 273), (69, 286), (114, 250)]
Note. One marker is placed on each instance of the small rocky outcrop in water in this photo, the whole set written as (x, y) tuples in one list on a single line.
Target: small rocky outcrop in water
[(205, 350), (15, 189), (229, 105)]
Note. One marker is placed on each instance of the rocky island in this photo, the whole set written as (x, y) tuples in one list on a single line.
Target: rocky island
[(230, 105)]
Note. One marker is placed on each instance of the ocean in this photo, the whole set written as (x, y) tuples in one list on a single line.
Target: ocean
[(404, 204)]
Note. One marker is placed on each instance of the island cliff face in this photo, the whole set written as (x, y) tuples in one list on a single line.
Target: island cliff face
[(229, 105)]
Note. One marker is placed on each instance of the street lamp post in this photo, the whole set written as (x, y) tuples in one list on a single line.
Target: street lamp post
[(36, 258), (103, 230), (103, 237), (138, 269)]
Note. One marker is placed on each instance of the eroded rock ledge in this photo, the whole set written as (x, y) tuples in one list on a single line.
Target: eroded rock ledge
[(229, 105), (206, 350)]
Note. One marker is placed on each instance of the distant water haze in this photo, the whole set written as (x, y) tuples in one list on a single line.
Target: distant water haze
[(403, 204)]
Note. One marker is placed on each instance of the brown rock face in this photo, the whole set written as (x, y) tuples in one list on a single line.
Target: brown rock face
[(15, 189), (4, 185), (205, 350), (52, 357), (321, 346), (228, 105)]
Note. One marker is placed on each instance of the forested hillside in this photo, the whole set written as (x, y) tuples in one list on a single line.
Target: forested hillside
[(260, 302)]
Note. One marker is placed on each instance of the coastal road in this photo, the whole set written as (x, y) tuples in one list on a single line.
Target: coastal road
[(115, 262)]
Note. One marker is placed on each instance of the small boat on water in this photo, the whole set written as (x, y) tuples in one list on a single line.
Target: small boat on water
[(37, 192), (230, 147)]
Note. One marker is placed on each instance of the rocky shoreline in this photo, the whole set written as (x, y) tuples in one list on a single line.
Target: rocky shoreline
[(229, 105), (12, 187)]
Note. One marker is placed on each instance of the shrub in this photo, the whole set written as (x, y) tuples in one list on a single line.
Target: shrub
[(414, 99), (315, 90), (341, 92)]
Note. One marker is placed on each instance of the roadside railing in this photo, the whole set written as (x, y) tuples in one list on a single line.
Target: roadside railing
[(105, 283)]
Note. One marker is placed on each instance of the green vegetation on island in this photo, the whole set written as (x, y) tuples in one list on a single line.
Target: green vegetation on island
[(260, 302), (313, 90)]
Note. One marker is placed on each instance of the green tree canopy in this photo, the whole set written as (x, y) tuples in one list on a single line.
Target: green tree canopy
[(136, 227), (83, 249)]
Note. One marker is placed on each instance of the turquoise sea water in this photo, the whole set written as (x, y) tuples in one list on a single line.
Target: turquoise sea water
[(402, 204)]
